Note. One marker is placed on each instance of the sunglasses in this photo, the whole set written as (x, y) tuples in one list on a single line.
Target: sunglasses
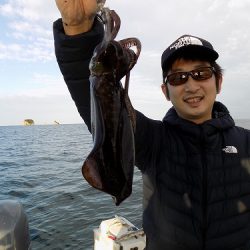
[(199, 74)]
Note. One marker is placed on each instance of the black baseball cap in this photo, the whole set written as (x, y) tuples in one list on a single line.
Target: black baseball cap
[(187, 44)]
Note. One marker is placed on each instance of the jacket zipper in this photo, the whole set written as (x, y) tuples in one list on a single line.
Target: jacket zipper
[(204, 191)]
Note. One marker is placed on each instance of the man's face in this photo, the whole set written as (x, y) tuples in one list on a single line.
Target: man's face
[(194, 99)]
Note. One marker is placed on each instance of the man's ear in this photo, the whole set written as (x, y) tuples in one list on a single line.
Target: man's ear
[(165, 91), (219, 84)]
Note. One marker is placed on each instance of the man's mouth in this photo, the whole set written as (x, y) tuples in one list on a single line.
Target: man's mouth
[(193, 100)]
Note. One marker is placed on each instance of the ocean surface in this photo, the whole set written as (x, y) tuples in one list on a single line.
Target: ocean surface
[(40, 166)]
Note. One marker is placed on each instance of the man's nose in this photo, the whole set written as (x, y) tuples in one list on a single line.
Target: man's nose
[(191, 85)]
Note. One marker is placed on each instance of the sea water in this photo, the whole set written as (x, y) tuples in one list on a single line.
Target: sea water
[(40, 166)]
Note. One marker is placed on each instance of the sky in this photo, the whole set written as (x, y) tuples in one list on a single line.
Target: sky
[(32, 87)]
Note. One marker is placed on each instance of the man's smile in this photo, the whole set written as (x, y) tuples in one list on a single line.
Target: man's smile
[(193, 99)]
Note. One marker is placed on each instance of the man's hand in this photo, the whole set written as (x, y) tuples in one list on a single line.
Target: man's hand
[(77, 15)]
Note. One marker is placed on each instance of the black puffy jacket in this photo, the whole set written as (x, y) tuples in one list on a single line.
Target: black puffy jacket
[(196, 177)]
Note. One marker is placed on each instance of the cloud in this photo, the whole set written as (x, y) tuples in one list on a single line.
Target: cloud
[(39, 85), (33, 52), (6, 9), (45, 85), (29, 9), (28, 33), (7, 51)]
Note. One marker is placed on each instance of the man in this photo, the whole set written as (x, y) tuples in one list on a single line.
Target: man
[(195, 163)]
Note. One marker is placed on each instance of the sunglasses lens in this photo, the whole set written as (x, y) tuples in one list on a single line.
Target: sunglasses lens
[(202, 74), (177, 78)]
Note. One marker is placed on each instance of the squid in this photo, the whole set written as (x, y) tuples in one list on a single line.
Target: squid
[(109, 166)]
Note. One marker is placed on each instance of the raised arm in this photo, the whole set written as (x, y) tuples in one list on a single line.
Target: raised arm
[(76, 35)]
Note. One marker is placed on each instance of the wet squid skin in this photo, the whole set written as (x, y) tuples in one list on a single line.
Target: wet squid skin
[(110, 165)]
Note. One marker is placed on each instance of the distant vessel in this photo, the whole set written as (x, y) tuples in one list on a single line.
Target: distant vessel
[(56, 123), (28, 122)]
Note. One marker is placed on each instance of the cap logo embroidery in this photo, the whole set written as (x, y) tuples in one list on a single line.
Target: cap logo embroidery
[(230, 150), (184, 41)]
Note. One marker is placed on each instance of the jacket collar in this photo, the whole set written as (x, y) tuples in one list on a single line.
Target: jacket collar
[(221, 120)]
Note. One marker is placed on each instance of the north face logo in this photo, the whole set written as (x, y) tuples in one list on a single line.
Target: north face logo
[(230, 150)]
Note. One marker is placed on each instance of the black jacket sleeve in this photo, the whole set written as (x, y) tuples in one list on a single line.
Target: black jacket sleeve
[(73, 54)]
